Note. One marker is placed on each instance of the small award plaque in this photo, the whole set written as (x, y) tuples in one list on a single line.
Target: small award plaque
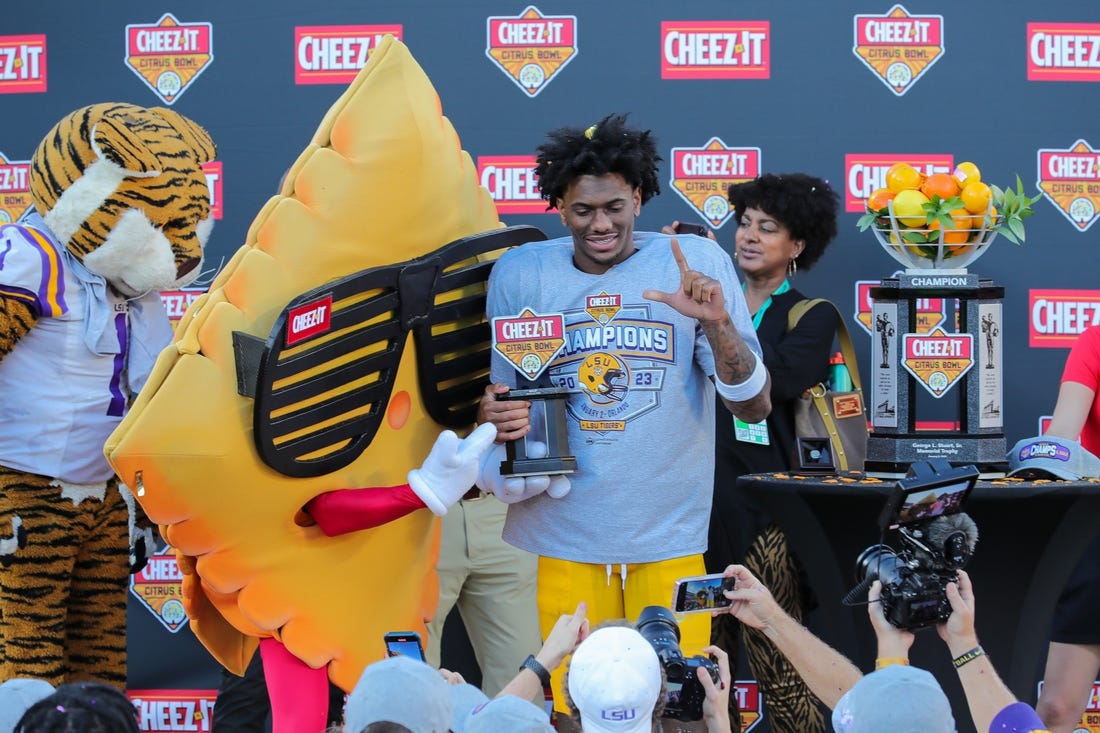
[(530, 342)]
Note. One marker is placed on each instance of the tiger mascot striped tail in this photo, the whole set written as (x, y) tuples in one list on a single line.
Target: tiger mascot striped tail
[(120, 211)]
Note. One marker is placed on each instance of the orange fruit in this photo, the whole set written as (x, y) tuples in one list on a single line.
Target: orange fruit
[(909, 207), (958, 233), (966, 172), (902, 177), (879, 199), (939, 184), (976, 197)]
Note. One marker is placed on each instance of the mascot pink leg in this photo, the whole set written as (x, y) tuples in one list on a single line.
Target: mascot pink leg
[(299, 693)]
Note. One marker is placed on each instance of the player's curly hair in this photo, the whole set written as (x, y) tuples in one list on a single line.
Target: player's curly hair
[(609, 146), (81, 707), (805, 204)]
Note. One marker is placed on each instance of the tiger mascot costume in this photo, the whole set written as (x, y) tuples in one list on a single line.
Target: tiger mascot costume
[(121, 211)]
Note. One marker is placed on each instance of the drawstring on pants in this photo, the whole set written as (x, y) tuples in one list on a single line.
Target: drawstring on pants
[(622, 574)]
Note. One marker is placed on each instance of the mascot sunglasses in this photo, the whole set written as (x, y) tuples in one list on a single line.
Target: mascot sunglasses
[(322, 380)]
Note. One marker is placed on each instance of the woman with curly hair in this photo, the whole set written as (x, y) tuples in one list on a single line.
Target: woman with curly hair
[(785, 223)]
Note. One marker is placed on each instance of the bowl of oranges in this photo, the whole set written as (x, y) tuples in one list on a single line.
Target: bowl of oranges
[(943, 220)]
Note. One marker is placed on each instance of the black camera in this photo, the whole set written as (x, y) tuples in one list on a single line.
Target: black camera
[(936, 540), (685, 692)]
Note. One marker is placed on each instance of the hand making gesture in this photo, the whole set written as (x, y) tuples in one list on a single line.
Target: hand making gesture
[(699, 296)]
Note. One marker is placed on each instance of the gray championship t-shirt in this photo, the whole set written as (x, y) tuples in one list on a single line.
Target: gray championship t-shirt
[(641, 412)]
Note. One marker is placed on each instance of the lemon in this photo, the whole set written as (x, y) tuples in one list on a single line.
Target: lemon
[(908, 208), (966, 172)]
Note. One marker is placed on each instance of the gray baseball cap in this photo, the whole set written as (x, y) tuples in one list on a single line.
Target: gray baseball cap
[(1048, 457)]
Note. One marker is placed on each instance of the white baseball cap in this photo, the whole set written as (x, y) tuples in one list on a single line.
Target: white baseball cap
[(615, 680)]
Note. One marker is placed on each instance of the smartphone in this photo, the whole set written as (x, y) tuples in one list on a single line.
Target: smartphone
[(701, 593), (404, 644), (686, 228)]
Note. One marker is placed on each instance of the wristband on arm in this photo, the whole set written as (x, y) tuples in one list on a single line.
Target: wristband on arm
[(747, 389)]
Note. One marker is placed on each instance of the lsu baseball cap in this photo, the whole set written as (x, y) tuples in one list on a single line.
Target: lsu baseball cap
[(614, 680), (1048, 457), (900, 699)]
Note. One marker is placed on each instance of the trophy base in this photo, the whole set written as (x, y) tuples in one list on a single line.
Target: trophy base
[(538, 466), (890, 455)]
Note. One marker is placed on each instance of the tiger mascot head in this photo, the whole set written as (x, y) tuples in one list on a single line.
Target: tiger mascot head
[(123, 189)]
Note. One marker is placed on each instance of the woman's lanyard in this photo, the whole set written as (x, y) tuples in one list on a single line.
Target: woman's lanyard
[(757, 433)]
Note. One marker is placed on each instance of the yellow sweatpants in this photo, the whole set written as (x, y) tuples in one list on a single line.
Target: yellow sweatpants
[(615, 592)]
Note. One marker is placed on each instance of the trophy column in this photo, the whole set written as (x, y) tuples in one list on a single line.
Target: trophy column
[(958, 362)]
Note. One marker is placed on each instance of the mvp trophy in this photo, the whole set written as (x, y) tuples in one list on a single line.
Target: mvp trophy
[(530, 342), (936, 330)]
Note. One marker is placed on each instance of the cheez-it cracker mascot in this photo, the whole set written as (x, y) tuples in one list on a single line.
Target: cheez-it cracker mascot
[(121, 211), (326, 355)]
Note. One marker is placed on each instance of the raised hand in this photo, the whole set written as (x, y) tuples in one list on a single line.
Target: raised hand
[(699, 296)]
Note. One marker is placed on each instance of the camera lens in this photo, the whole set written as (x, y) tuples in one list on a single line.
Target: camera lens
[(878, 562)]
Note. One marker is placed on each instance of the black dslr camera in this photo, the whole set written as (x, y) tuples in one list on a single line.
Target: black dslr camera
[(936, 540), (685, 692)]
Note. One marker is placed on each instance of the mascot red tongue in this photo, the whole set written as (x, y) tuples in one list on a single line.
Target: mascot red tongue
[(383, 182)]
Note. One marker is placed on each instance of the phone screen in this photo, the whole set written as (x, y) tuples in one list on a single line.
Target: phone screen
[(700, 594), (404, 645)]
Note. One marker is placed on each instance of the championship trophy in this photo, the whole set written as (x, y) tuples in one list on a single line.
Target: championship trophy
[(530, 342), (936, 226)]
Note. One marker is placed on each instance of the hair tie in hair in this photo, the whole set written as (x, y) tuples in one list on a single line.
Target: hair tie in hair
[(590, 132)]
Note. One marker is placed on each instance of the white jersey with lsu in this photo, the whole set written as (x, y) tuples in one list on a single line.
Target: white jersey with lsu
[(67, 383)]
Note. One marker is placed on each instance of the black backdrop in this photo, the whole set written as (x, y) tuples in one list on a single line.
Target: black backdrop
[(796, 96)]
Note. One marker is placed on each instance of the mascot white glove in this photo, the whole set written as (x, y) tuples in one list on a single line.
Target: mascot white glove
[(451, 467), (513, 489)]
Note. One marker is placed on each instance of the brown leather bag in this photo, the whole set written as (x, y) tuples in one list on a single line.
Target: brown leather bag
[(839, 416)]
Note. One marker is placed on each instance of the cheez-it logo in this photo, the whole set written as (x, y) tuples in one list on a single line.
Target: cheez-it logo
[(1063, 51), (531, 48), (333, 54), (22, 64), (898, 47), (715, 49), (308, 320), (1070, 179), (702, 176), (15, 193), (169, 55)]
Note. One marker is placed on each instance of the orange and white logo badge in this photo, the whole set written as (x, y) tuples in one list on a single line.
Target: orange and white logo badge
[(1070, 179), (1063, 51), (173, 710), (22, 64), (865, 172), (930, 311), (748, 702), (169, 55), (529, 341), (715, 49), (333, 54), (603, 308), (159, 587), (15, 194), (511, 182), (1058, 317), (938, 359), (702, 176), (213, 171), (531, 48), (898, 46)]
